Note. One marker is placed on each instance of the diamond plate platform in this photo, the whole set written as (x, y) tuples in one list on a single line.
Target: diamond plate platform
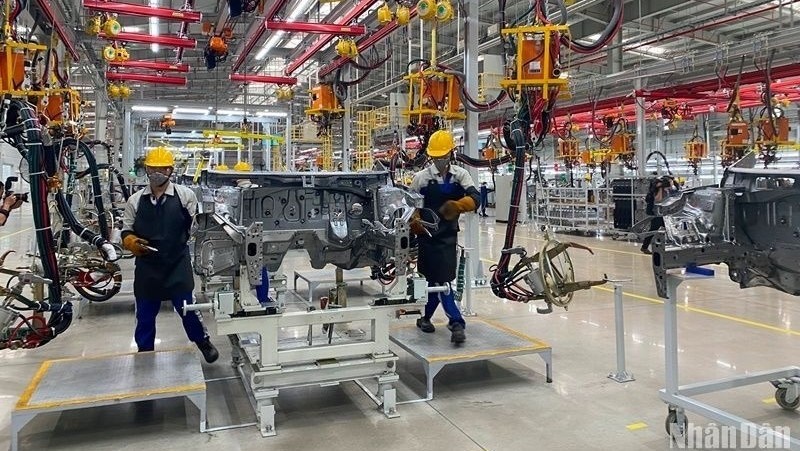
[(84, 382), (485, 340)]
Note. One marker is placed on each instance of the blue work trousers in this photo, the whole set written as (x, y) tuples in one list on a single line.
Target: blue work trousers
[(448, 301), (146, 312)]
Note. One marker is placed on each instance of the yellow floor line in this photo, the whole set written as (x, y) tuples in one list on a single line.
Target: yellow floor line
[(34, 384), (15, 233), (770, 400), (711, 313), (636, 426), (702, 311)]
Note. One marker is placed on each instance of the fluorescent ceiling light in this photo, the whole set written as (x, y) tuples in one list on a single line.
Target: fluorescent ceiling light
[(298, 10), (271, 114), (230, 112), (269, 45), (150, 109), (190, 111), (154, 27)]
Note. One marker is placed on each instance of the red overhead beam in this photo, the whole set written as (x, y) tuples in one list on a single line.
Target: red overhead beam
[(711, 84), (256, 35), (169, 41), (62, 34), (129, 9), (310, 27), (364, 44), (354, 13), (252, 78), (146, 78), (153, 65)]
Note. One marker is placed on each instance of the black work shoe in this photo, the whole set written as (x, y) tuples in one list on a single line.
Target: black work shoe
[(646, 250), (210, 353), (425, 325), (457, 333)]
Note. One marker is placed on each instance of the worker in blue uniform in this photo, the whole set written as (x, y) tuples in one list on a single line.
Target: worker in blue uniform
[(156, 228), (448, 191)]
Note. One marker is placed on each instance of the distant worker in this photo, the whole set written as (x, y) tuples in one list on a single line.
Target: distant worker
[(448, 191), (156, 227), (659, 189), (11, 201), (485, 190)]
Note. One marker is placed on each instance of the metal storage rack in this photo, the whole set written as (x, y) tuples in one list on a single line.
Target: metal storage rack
[(581, 209)]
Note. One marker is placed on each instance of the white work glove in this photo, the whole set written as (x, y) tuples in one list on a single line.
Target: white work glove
[(110, 253)]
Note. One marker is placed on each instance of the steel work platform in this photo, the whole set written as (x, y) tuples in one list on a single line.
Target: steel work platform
[(84, 382), (485, 341)]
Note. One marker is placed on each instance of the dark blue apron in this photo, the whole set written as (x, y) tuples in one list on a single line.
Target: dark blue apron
[(168, 272), (437, 259)]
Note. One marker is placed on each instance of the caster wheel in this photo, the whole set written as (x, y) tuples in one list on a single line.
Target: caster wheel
[(780, 397), (676, 431)]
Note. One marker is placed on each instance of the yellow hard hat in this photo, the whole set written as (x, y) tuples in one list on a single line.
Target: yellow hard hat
[(440, 144), (160, 157)]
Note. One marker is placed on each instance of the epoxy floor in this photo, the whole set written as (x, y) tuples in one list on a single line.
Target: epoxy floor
[(502, 405)]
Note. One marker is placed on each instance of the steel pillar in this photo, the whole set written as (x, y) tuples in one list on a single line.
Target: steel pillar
[(288, 140), (100, 115), (347, 126), (615, 55), (641, 131), (471, 236), (127, 141)]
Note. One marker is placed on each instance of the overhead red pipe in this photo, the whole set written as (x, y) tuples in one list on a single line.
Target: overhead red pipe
[(258, 34), (252, 78), (685, 32), (365, 43), (354, 13), (129, 9), (146, 78), (169, 41), (310, 27), (700, 86), (62, 34), (153, 65)]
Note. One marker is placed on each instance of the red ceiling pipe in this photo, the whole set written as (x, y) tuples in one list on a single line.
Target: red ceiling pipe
[(141, 38), (365, 43), (683, 32), (309, 27), (711, 84), (251, 78), (354, 13), (153, 65), (256, 36), (62, 34), (128, 9), (146, 78)]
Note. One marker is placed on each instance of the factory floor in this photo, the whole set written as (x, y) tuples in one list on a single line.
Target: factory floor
[(501, 405)]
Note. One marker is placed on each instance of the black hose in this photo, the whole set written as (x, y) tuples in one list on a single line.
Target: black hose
[(614, 24), (97, 191), (32, 148)]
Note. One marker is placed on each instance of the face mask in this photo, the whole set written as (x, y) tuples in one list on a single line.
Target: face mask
[(157, 178), (442, 165)]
